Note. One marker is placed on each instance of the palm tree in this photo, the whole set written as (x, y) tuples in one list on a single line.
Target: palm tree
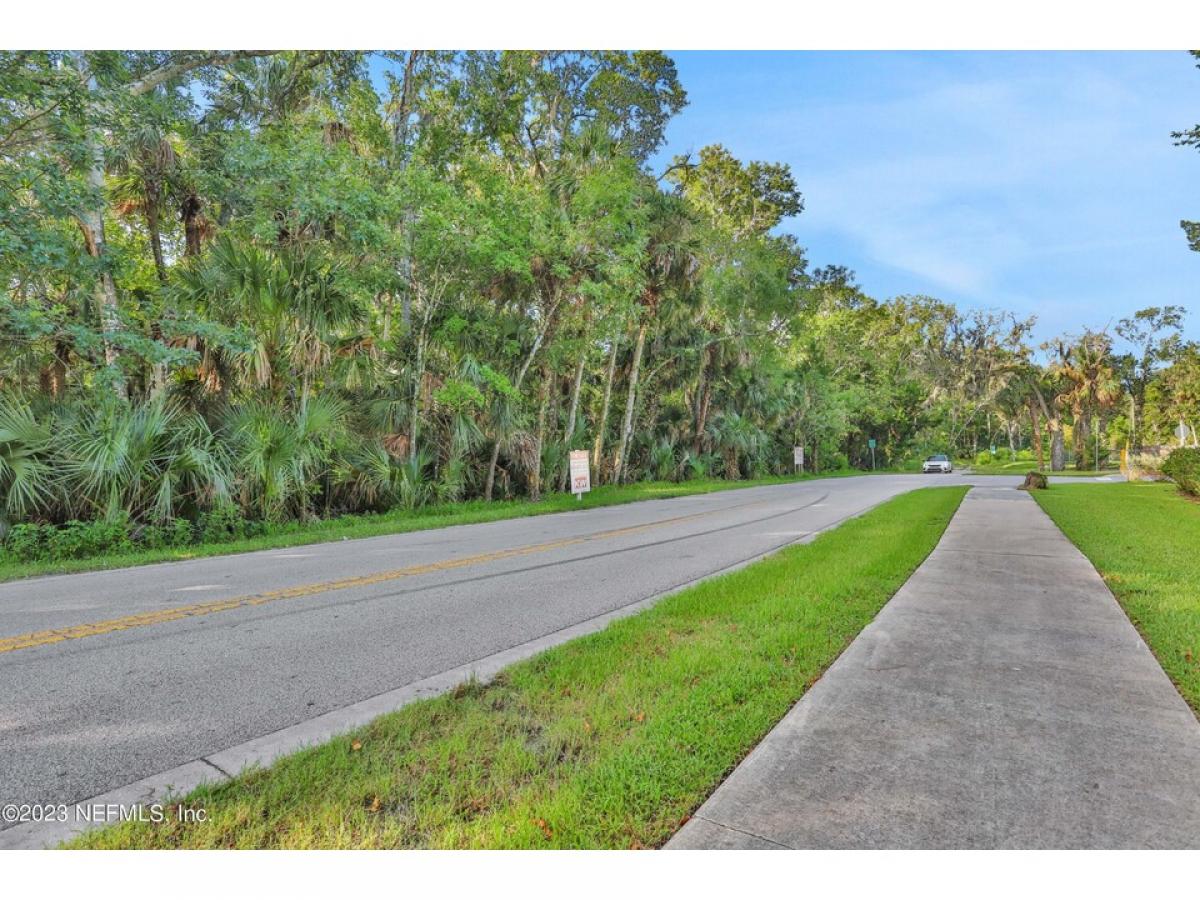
[(672, 263), (145, 167), (1091, 385), (280, 454), (291, 300)]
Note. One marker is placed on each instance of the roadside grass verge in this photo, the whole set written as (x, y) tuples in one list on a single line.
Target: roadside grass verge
[(609, 741), (1144, 539), (393, 522)]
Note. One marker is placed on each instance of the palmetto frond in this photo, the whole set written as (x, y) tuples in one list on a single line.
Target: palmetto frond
[(27, 478)]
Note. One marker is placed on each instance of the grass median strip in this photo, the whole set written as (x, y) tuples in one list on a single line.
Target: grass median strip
[(610, 740), (1144, 539)]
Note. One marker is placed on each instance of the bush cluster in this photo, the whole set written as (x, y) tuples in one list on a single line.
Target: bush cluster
[(1183, 467), (30, 542)]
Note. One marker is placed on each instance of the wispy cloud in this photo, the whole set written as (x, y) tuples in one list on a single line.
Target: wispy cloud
[(1044, 183)]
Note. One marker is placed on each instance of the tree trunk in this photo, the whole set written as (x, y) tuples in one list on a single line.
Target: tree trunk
[(535, 477), (491, 475), (53, 378), (1133, 442), (160, 266), (573, 413), (158, 370), (189, 214), (598, 449), (91, 222), (400, 133), (703, 399), (1036, 427), (1080, 434), (1058, 460), (702, 421), (415, 413), (630, 401)]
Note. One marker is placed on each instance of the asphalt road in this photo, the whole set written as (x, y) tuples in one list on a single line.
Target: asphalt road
[(110, 677)]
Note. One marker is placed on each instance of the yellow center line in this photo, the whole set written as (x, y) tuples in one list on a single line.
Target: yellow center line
[(192, 610)]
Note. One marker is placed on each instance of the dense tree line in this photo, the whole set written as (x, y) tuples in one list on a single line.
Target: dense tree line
[(305, 283)]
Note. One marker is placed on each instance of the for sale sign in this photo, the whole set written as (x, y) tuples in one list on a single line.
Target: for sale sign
[(581, 475)]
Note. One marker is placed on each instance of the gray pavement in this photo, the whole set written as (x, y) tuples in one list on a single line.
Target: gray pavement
[(1001, 699), (112, 690)]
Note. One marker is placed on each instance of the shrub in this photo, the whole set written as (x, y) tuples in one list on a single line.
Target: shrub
[(983, 457), (1145, 466), (27, 542), (224, 522), (181, 533), (77, 540), (152, 537), (1183, 467), (73, 540)]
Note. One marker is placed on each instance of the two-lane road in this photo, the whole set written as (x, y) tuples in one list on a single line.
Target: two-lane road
[(109, 677)]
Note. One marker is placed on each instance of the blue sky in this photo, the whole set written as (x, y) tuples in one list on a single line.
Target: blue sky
[(1044, 183)]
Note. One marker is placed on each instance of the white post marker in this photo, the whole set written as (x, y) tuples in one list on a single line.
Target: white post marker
[(798, 458), (581, 474)]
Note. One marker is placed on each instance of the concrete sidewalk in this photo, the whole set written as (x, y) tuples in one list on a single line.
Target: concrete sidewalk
[(1001, 699)]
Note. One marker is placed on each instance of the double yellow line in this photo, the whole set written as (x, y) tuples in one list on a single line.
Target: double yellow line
[(193, 610)]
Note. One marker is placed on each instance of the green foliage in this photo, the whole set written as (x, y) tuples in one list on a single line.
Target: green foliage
[(223, 523), (282, 454), (26, 474), (337, 286), (71, 540), (28, 541), (1183, 467), (145, 462)]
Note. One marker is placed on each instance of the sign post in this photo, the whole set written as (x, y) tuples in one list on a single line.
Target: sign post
[(871, 444), (581, 474), (798, 458)]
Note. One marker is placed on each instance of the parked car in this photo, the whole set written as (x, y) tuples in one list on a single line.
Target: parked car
[(939, 462)]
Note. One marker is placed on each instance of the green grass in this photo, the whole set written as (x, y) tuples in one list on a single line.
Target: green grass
[(610, 740), (394, 522), (1020, 467), (1144, 539)]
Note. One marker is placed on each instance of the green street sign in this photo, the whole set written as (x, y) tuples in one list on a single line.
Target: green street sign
[(871, 443)]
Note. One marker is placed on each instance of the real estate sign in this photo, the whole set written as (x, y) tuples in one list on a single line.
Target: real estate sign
[(581, 475)]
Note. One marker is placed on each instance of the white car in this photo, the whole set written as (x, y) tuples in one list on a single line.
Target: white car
[(939, 462)]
